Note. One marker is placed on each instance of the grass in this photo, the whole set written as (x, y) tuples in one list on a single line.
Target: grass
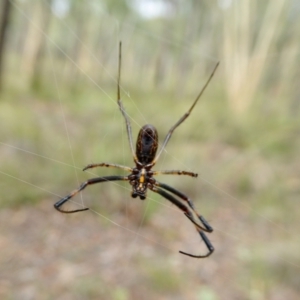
[(36, 146)]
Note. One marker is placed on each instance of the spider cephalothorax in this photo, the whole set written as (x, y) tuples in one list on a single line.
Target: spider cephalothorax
[(141, 176), (140, 179)]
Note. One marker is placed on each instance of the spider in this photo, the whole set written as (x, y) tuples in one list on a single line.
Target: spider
[(141, 176)]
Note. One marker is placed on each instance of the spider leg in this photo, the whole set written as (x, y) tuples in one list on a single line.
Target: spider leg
[(128, 126), (186, 211), (174, 172), (59, 203), (208, 245), (90, 166), (169, 134), (206, 227), (175, 201)]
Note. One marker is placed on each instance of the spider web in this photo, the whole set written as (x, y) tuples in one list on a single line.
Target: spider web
[(231, 232)]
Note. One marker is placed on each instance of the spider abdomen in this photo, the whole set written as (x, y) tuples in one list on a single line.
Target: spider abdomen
[(146, 144)]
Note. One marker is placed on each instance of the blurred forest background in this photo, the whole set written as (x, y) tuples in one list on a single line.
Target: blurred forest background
[(58, 113)]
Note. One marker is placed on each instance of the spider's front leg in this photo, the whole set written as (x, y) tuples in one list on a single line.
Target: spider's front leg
[(61, 202), (208, 244), (205, 226), (188, 214)]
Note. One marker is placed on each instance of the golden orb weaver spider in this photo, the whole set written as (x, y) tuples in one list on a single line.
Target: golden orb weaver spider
[(141, 176)]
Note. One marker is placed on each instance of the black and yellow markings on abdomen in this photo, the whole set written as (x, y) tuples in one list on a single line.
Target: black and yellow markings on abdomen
[(142, 178)]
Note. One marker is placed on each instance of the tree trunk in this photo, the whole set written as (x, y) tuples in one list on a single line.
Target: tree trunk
[(4, 21)]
